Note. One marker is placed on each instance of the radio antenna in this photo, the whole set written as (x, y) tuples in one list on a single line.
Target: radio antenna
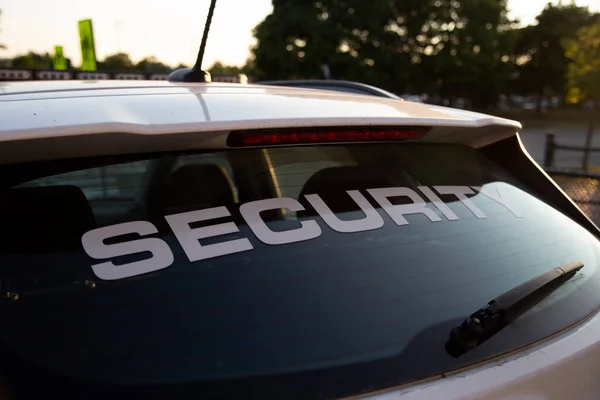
[(196, 74)]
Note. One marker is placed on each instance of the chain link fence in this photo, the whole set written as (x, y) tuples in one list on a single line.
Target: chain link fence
[(583, 189)]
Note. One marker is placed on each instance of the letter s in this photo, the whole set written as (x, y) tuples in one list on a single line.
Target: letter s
[(94, 246)]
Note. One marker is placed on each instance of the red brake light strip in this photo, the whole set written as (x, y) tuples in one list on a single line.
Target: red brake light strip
[(280, 137)]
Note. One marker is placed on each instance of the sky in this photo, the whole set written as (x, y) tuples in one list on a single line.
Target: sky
[(167, 29)]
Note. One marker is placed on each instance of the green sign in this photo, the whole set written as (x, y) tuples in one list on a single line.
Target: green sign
[(59, 62), (88, 49)]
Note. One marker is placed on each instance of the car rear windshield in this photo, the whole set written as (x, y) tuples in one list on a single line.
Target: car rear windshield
[(290, 272)]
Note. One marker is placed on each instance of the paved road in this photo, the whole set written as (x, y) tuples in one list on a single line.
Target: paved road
[(535, 143)]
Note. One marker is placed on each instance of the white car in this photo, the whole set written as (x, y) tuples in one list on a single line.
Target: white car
[(229, 241)]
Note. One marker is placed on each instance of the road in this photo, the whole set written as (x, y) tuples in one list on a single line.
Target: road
[(535, 143)]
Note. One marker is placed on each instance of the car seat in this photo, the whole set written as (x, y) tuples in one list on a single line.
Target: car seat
[(45, 219)]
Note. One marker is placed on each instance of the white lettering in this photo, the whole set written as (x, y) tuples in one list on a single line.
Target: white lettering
[(372, 219), (93, 244), (189, 238), (499, 195), (448, 213), (397, 212), (251, 213), (162, 257), (461, 193)]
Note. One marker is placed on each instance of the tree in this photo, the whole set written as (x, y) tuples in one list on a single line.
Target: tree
[(444, 46), (152, 65), (584, 72), (117, 62), (33, 60), (462, 50), (249, 68), (541, 53), (299, 37), (219, 69), (584, 68)]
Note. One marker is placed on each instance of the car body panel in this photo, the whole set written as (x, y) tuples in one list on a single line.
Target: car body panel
[(28, 113), (334, 85), (77, 118), (562, 367), (73, 109)]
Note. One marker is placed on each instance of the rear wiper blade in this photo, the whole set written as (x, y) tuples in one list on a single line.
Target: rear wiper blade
[(504, 309)]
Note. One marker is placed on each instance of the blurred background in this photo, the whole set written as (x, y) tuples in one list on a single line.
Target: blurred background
[(529, 60)]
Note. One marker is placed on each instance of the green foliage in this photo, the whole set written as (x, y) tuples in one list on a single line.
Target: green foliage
[(448, 49), (299, 36), (465, 49), (584, 70), (117, 62), (219, 69), (249, 68), (540, 50), (444, 46), (152, 65), (121, 62), (33, 60)]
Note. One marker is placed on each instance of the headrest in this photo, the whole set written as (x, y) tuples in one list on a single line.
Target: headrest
[(44, 219), (194, 187), (332, 183), (452, 165)]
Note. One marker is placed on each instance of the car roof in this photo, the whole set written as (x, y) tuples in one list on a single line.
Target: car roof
[(48, 110), (336, 85)]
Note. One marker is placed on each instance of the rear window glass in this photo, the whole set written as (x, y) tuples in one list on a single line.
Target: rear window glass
[(302, 272)]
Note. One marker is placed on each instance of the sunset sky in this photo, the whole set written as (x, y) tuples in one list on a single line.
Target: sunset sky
[(169, 30)]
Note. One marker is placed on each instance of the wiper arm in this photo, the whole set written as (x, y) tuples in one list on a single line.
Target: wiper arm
[(504, 309)]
